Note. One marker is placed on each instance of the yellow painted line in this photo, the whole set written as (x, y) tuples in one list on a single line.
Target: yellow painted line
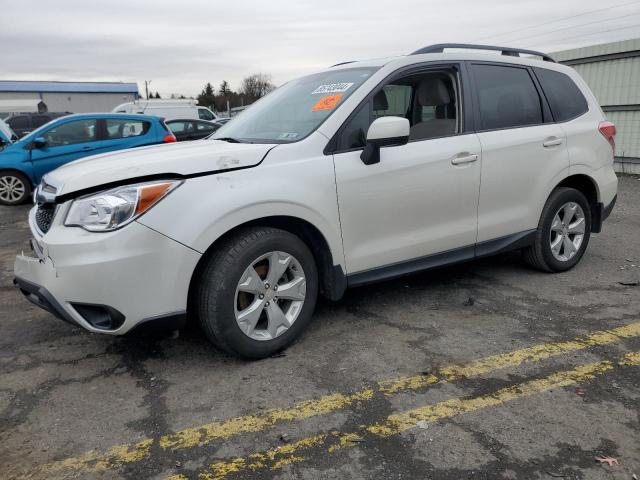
[(398, 423), (204, 434)]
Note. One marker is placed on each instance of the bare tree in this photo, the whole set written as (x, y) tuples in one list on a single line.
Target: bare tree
[(256, 86)]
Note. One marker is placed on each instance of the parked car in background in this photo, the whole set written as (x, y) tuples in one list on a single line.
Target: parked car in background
[(7, 136), (188, 129), (25, 123), (168, 109), (24, 162), (361, 172)]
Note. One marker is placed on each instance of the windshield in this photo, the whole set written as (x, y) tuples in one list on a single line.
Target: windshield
[(296, 109)]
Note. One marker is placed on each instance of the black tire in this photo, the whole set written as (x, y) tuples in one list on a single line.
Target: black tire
[(539, 255), (24, 182), (215, 300)]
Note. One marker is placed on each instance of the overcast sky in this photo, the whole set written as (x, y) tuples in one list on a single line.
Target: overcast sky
[(180, 45)]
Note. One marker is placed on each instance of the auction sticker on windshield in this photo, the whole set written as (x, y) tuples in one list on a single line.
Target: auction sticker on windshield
[(327, 103), (333, 88)]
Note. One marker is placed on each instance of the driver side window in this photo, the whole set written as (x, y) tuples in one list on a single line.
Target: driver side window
[(427, 99)]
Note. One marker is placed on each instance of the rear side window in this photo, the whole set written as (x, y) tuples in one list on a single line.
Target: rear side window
[(121, 128), (565, 98), (507, 97)]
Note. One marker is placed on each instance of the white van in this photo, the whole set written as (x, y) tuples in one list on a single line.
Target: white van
[(167, 109)]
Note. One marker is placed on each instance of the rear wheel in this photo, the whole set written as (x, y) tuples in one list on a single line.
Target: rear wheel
[(257, 292), (563, 232), (15, 188)]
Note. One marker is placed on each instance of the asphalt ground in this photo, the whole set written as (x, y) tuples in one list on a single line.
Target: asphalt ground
[(483, 370)]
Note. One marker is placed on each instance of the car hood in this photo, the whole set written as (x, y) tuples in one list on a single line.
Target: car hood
[(174, 160)]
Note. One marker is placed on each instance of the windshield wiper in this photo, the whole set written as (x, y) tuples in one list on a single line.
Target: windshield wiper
[(228, 139)]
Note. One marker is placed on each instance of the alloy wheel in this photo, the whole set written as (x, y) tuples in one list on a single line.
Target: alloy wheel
[(270, 295), (12, 188), (567, 231)]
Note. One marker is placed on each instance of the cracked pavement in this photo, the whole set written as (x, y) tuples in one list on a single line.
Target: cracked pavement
[(79, 405)]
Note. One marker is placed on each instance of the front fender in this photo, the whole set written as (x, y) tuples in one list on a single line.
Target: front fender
[(205, 208)]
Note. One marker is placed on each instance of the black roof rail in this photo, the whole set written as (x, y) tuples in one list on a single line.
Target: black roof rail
[(342, 63), (507, 51)]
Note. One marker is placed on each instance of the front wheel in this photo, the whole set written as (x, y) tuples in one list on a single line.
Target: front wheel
[(257, 292), (15, 188), (563, 232)]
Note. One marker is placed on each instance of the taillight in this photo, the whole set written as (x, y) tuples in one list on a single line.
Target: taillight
[(608, 130), (169, 138)]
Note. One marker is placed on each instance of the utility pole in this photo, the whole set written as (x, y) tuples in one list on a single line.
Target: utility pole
[(146, 88)]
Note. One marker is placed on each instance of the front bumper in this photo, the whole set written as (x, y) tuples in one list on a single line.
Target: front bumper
[(107, 282)]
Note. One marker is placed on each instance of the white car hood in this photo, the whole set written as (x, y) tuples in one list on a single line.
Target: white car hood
[(174, 160)]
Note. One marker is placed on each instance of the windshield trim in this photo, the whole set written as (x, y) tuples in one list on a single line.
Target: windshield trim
[(261, 141)]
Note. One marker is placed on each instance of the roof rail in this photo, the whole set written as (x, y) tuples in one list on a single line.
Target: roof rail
[(507, 51), (342, 63)]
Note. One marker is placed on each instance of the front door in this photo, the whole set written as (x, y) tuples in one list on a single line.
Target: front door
[(422, 197), (64, 143)]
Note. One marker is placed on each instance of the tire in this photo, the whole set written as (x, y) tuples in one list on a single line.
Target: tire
[(220, 297), (541, 255), (15, 188)]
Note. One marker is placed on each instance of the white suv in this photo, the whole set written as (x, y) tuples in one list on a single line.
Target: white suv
[(362, 172)]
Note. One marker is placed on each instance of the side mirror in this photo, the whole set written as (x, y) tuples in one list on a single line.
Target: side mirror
[(39, 142), (384, 132)]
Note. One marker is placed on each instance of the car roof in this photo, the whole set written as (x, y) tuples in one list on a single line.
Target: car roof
[(128, 116)]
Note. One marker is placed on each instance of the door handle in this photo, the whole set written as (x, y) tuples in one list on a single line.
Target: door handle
[(463, 158), (87, 149), (552, 142)]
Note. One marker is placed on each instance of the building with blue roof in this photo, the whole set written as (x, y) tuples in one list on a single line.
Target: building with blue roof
[(75, 97)]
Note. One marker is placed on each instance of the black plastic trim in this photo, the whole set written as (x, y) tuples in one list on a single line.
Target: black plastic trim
[(600, 214), (606, 211), (40, 296), (160, 323), (506, 244), (102, 317), (450, 257)]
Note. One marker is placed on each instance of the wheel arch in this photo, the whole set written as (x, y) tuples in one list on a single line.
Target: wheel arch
[(589, 188), (21, 172), (332, 277)]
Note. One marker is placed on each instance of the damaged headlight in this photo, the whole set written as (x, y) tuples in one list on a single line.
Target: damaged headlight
[(112, 209)]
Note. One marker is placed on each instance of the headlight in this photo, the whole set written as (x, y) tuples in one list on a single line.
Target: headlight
[(112, 209)]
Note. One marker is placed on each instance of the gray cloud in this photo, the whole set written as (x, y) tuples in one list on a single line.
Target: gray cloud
[(180, 46)]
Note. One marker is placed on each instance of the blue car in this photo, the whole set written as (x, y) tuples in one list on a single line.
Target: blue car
[(25, 161)]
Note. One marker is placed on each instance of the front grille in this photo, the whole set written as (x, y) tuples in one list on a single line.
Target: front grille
[(44, 216)]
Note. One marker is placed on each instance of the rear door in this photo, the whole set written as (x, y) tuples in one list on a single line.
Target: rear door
[(523, 151), (121, 133), (65, 142)]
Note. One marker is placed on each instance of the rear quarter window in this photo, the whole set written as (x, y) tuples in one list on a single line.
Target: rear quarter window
[(125, 128), (564, 97)]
